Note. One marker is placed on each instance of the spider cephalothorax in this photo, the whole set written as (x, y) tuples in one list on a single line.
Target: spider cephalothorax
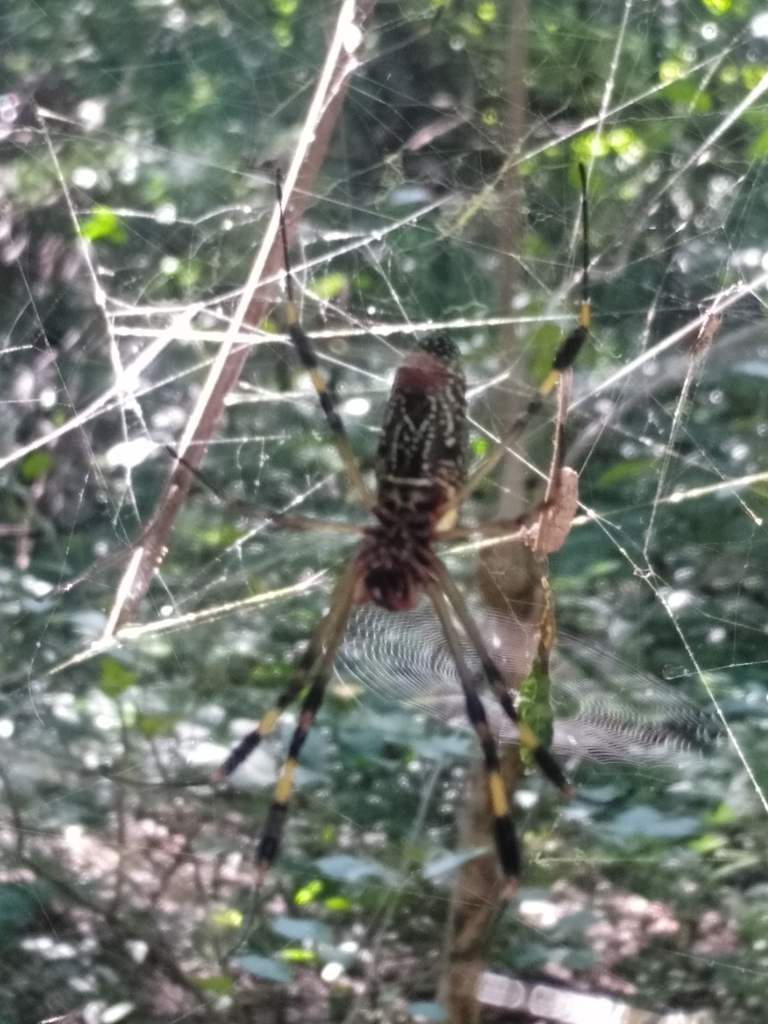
[(421, 464)]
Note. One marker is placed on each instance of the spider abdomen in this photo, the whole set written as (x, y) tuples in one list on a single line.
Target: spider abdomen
[(421, 460), (421, 464)]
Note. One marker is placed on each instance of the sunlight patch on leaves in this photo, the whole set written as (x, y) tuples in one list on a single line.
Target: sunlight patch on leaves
[(104, 223)]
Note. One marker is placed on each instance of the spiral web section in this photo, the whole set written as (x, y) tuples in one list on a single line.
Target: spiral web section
[(603, 710)]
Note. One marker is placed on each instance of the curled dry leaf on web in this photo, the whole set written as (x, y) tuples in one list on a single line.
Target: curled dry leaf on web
[(553, 522)]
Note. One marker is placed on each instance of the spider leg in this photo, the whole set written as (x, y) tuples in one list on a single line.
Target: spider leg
[(250, 742), (308, 360), (518, 428), (306, 666), (305, 524), (298, 524), (316, 680), (544, 527), (507, 845), (543, 757), (565, 357)]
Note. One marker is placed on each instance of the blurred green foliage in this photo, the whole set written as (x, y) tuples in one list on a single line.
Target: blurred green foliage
[(140, 187)]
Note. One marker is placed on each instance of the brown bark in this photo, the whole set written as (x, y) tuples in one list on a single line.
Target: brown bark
[(506, 582)]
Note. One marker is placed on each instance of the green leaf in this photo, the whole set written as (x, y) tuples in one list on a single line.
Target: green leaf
[(114, 678), (542, 346), (19, 906), (603, 568), (426, 1011), (223, 536), (707, 843), (531, 955), (189, 272), (671, 70), (203, 90), (590, 146), (103, 223), (580, 959), (573, 927), (623, 140), (329, 286), (486, 11), (35, 465), (648, 823), (353, 869), (227, 917), (758, 149), (687, 94), (626, 470), (722, 815), (300, 929), (156, 725), (702, 103), (717, 7), (308, 893), (116, 1012), (297, 955), (337, 903), (218, 985), (273, 674), (281, 32), (752, 74), (436, 748), (738, 863), (447, 863), (535, 708), (264, 968)]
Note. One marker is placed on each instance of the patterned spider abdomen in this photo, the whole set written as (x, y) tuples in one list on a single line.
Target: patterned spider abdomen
[(424, 435), (421, 464)]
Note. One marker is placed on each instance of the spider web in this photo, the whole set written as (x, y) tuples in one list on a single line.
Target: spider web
[(109, 337)]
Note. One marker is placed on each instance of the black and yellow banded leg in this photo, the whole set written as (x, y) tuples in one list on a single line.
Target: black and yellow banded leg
[(563, 361), (304, 667), (269, 844), (507, 845), (568, 350), (308, 360), (329, 631), (329, 638), (250, 742), (566, 355), (543, 757)]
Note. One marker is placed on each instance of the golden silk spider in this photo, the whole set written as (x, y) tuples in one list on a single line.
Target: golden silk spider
[(422, 480)]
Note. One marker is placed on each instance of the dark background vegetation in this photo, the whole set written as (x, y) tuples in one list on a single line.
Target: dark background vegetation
[(126, 882)]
